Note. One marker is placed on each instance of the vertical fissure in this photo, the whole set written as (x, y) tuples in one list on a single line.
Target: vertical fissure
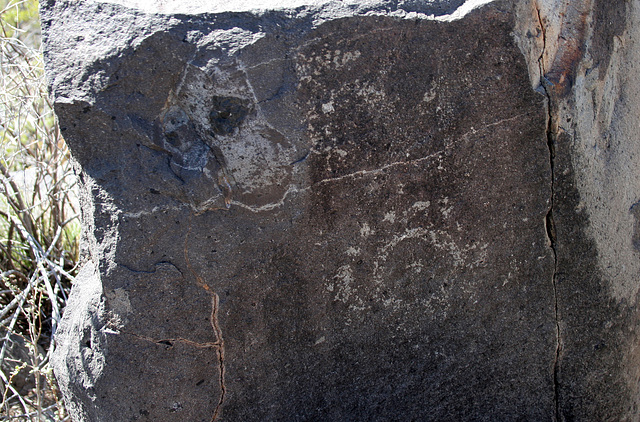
[(220, 351), (215, 324), (546, 86)]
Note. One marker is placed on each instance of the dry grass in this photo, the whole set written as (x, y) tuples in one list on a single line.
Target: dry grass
[(38, 224)]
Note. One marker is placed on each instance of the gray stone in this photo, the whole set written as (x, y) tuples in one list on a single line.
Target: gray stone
[(368, 211)]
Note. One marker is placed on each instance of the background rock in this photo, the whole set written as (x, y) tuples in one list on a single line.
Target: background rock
[(350, 211)]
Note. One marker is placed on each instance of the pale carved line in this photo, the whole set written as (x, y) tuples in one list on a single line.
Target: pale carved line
[(362, 173)]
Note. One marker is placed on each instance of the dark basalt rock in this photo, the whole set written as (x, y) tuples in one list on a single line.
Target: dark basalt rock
[(344, 211), (227, 114)]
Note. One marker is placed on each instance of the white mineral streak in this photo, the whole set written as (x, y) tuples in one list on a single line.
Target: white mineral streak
[(343, 8), (463, 10), (294, 189), (362, 173), (144, 213)]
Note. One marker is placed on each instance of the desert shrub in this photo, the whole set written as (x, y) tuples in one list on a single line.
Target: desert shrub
[(38, 223)]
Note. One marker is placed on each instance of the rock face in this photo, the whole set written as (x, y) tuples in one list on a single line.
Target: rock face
[(321, 210)]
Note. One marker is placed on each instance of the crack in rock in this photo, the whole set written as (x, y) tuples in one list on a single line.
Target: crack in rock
[(213, 319), (545, 87), (170, 341)]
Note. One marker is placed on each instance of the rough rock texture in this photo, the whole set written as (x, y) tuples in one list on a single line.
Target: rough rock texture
[(367, 211)]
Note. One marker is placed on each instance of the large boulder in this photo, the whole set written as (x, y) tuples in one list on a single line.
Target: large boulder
[(340, 210)]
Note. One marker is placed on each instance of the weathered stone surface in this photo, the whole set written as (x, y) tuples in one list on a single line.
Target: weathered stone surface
[(415, 210)]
